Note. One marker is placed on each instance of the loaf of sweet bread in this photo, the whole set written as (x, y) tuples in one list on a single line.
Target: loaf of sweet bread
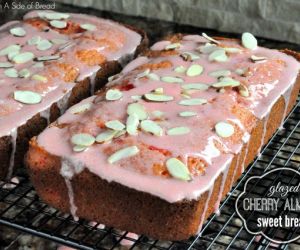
[(156, 151), (48, 62)]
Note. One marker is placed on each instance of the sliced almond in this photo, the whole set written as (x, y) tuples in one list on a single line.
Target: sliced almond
[(17, 31), (23, 57), (106, 136), (78, 109), (113, 95), (226, 82), (194, 70), (12, 72), (83, 139), (219, 73), (178, 169), (78, 148), (27, 97), (173, 46), (10, 48), (180, 69), (187, 113), (151, 127), (208, 48), (158, 98), (6, 65), (115, 125), (171, 79), (243, 90), (44, 45), (58, 24), (34, 40), (132, 124), (193, 102), (249, 41), (197, 86), (210, 38), (88, 26), (138, 109), (120, 133), (143, 74), (255, 58), (54, 15), (178, 131), (123, 154), (158, 91), (189, 56), (24, 73), (224, 129), (218, 55), (232, 50), (153, 77)]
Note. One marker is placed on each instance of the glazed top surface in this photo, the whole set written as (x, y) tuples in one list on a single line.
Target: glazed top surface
[(205, 151), (79, 44)]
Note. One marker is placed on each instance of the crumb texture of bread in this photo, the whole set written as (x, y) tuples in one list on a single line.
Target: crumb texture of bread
[(168, 137), (48, 62)]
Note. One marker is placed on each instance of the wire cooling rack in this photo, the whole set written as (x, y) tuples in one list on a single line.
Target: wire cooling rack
[(21, 208)]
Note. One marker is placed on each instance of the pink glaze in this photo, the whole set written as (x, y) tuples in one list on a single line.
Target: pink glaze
[(202, 142), (12, 113)]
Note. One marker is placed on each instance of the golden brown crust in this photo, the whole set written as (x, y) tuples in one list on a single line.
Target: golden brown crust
[(116, 205)]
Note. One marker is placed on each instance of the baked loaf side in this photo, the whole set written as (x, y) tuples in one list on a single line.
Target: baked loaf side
[(167, 139), (48, 62)]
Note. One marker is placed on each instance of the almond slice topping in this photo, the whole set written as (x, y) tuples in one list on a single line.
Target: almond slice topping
[(210, 38), (178, 131), (158, 97), (194, 70), (83, 139), (218, 55), (123, 153), (88, 26), (115, 125), (187, 113), (77, 109), (258, 58), (138, 109), (113, 95), (27, 97), (171, 79), (193, 102), (132, 124), (178, 169), (249, 41), (23, 57), (151, 127), (219, 73), (197, 86), (106, 136), (17, 31), (180, 69), (173, 46), (224, 129), (226, 82), (153, 77)]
